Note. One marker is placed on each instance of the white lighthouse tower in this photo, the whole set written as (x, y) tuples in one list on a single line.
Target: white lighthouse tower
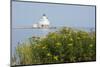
[(44, 22)]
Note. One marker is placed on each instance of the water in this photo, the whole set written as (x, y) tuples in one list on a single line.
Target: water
[(22, 35)]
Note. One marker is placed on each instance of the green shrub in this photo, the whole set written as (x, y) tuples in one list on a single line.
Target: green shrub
[(64, 45)]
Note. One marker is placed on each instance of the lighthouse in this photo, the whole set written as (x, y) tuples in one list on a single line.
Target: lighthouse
[(43, 22)]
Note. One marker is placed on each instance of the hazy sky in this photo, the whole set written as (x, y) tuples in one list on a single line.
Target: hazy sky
[(25, 13)]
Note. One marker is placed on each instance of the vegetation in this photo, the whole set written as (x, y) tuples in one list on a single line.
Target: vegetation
[(65, 45)]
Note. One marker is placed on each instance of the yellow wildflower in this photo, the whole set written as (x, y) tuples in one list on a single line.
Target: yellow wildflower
[(70, 44), (48, 54), (91, 45), (56, 57), (78, 38), (71, 39), (43, 47), (58, 44)]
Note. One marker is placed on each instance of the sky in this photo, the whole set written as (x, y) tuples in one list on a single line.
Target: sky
[(28, 13)]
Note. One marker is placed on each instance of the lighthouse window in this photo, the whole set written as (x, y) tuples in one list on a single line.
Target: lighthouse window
[(42, 25)]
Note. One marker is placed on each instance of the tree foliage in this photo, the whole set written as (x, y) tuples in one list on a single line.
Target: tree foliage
[(64, 45)]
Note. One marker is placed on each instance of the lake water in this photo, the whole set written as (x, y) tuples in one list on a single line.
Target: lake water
[(22, 35)]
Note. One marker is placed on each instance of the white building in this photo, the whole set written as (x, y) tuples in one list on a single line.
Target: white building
[(35, 25), (43, 23)]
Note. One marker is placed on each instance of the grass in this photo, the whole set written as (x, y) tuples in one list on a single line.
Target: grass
[(64, 45)]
